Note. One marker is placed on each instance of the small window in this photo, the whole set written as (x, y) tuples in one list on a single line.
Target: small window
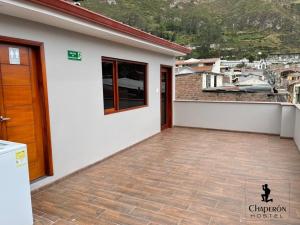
[(124, 85), (208, 81), (215, 81), (297, 95)]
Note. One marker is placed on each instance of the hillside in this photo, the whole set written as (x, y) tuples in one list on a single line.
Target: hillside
[(229, 28)]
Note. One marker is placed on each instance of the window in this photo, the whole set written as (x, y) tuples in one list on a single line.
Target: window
[(297, 95), (124, 84), (208, 81), (215, 81)]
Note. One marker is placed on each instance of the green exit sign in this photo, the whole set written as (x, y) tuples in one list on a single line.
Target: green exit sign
[(74, 55)]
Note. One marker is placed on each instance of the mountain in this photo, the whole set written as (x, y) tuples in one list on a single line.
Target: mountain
[(227, 28)]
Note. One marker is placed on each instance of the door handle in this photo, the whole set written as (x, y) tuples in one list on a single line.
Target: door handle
[(3, 119)]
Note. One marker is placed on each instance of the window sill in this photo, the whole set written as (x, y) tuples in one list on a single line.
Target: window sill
[(124, 110)]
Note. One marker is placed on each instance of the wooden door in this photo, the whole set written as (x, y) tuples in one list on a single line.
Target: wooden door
[(20, 104), (166, 97)]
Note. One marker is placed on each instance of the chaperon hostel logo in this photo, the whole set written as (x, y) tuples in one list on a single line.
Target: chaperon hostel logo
[(267, 203), (265, 196)]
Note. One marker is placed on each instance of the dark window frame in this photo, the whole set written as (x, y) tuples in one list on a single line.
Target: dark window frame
[(208, 81), (215, 80), (115, 62)]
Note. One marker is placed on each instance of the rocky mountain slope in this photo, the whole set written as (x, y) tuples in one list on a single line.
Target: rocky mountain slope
[(226, 28)]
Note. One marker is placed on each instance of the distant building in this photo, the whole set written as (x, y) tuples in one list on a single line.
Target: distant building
[(287, 76), (294, 90), (233, 63), (290, 58), (210, 86), (230, 64), (239, 80), (231, 72), (209, 79), (236, 74), (250, 80), (184, 70)]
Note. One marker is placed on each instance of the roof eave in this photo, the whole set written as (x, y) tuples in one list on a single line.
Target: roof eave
[(87, 15)]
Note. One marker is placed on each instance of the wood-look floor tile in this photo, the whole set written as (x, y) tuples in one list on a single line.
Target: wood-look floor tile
[(141, 203), (155, 217), (63, 222), (123, 219), (186, 215), (180, 177), (40, 220), (113, 205), (86, 220)]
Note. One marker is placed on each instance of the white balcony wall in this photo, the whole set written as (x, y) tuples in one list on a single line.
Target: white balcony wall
[(287, 120), (234, 116), (270, 118)]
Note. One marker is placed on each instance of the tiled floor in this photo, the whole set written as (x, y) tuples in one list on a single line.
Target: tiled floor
[(179, 177)]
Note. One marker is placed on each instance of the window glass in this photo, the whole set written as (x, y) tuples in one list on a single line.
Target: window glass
[(208, 81), (215, 81), (124, 84), (108, 84), (131, 85)]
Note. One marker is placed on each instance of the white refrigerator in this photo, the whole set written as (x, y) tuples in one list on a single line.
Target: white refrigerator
[(15, 198)]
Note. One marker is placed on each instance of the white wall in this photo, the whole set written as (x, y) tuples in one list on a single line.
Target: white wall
[(250, 117), (80, 133), (219, 81), (217, 66), (203, 81), (212, 81), (297, 127), (287, 120), (271, 118)]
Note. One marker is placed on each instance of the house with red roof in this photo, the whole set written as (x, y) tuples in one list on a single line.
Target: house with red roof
[(201, 65)]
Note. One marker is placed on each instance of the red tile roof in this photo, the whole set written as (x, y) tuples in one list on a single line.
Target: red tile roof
[(87, 15), (203, 69)]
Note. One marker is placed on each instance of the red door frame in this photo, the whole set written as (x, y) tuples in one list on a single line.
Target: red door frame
[(169, 100)]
